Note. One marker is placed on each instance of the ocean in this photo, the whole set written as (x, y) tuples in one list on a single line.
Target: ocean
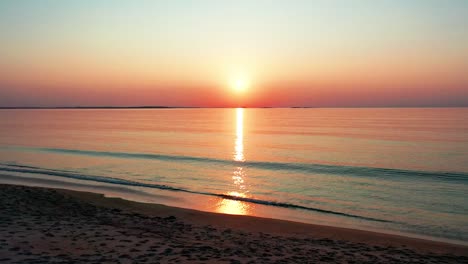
[(394, 170)]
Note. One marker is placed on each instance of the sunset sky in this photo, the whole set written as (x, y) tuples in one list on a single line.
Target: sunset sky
[(196, 53)]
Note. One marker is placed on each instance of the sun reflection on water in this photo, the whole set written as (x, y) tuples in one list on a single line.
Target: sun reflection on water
[(229, 206), (239, 142)]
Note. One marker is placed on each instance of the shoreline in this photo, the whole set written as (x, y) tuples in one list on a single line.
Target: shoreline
[(74, 219), (266, 225), (165, 198)]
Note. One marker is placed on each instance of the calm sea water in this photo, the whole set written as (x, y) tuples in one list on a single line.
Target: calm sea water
[(396, 170)]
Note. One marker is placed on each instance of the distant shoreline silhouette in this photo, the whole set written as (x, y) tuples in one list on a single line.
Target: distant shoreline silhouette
[(215, 107)]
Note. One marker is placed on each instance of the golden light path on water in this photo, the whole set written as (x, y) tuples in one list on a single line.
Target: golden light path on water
[(232, 206), (239, 142)]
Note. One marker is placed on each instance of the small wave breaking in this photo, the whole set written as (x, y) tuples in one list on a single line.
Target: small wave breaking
[(68, 174)]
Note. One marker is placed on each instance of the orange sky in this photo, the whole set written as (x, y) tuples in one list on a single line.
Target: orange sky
[(298, 53)]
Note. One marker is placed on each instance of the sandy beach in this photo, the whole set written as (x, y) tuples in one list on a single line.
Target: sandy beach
[(40, 225)]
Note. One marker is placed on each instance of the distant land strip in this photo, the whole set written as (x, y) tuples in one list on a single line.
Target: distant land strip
[(132, 107), (92, 107), (213, 107)]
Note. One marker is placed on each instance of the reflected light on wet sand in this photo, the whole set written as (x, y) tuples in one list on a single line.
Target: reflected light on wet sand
[(228, 206)]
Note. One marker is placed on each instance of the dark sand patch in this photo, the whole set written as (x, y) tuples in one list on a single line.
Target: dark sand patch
[(39, 225)]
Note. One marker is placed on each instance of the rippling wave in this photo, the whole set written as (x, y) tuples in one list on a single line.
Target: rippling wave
[(303, 167)]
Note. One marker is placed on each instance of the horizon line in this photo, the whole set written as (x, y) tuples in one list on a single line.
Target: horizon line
[(214, 107)]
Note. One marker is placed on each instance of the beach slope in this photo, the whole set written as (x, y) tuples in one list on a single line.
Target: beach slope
[(40, 225)]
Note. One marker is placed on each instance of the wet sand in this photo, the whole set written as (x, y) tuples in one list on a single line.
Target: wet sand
[(41, 225)]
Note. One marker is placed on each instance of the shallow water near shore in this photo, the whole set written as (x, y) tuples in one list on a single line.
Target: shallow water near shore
[(396, 170)]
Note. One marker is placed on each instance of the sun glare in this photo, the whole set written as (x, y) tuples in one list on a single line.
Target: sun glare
[(240, 84)]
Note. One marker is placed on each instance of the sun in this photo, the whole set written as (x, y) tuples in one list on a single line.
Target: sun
[(240, 84)]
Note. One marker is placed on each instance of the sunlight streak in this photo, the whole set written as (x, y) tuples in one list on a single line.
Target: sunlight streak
[(228, 206), (239, 142)]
